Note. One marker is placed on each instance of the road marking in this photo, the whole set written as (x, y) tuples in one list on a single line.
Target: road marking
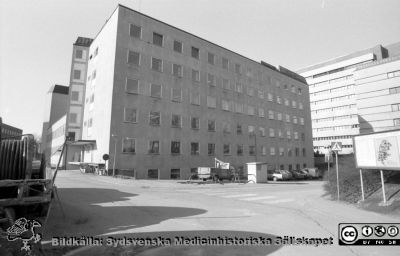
[(279, 201), (237, 196), (257, 198)]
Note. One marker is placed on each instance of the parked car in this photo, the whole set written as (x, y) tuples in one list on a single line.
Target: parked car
[(306, 174), (298, 175), (314, 173), (279, 175)]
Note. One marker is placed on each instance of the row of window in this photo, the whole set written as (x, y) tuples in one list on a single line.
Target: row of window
[(394, 90), (336, 128), (396, 107), (345, 97), (334, 118), (338, 89), (322, 147), (333, 138), (325, 110), (335, 80), (135, 31), (154, 147), (393, 74), (131, 116)]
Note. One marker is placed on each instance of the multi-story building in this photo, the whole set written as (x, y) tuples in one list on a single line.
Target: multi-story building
[(378, 95), (55, 109), (162, 101), (8, 131), (333, 96)]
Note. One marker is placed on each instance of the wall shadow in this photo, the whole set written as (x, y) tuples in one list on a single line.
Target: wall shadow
[(83, 217)]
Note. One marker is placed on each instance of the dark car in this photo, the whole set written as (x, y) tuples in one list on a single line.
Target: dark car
[(298, 175)]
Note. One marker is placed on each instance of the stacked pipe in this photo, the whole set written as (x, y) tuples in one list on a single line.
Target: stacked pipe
[(15, 158)]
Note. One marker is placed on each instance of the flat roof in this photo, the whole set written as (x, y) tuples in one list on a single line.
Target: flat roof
[(83, 41), (61, 89)]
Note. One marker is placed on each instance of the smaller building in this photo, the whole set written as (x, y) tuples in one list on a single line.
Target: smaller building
[(8, 131), (378, 95)]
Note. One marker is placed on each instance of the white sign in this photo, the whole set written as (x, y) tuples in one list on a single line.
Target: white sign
[(378, 150), (220, 164), (336, 146)]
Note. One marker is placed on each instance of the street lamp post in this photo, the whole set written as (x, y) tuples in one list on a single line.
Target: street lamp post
[(115, 152)]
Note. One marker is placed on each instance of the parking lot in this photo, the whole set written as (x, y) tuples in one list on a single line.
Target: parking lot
[(106, 206)]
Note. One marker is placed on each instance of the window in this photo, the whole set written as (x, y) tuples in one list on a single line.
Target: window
[(195, 75), (92, 98), (239, 108), (211, 102), (225, 105), (296, 135), (156, 64), (211, 149), (270, 97), (74, 95), (393, 74), (135, 31), (271, 114), (278, 100), (132, 86), (281, 152), (293, 89), (210, 79), (250, 129), (260, 94), (262, 131), (94, 74), (304, 151), (394, 90), (296, 151), (77, 74), (73, 118), (299, 91), (176, 121), (175, 147), (78, 54), (293, 104), (175, 174), (239, 149), (154, 147), (195, 123), (303, 136), (195, 98), (239, 129), (129, 145), (300, 105), (301, 120), (130, 115), (157, 39), (227, 149), (286, 102), (288, 135), (263, 150), (177, 46), (152, 173), (279, 115), (261, 112), (177, 70), (271, 132), (237, 68), (211, 125), (287, 118), (211, 58), (396, 122), (250, 91), (195, 52), (395, 107), (176, 94), (272, 151), (155, 118), (295, 119), (252, 150), (280, 135), (289, 152), (239, 87), (226, 127), (155, 90), (194, 148), (133, 58), (225, 63), (225, 84)]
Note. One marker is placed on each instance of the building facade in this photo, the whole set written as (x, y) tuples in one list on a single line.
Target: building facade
[(162, 101), (378, 95), (8, 131), (333, 96)]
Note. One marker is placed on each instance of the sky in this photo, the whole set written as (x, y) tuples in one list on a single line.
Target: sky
[(36, 37)]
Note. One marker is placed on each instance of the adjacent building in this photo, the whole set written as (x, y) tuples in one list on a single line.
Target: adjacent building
[(8, 131), (162, 101), (378, 95), (334, 95)]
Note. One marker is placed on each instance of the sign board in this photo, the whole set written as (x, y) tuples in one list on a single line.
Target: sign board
[(380, 150), (336, 146), (220, 164)]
